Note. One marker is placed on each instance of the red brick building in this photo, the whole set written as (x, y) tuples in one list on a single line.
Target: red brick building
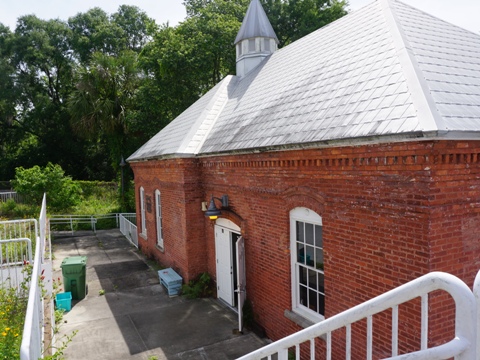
[(351, 162)]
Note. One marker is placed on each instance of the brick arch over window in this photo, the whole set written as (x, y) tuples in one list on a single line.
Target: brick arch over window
[(302, 196)]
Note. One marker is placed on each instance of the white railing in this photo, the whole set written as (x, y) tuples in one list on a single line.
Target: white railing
[(462, 346), (32, 347), (128, 228), (14, 255), (476, 293), (7, 195), (15, 229), (73, 220)]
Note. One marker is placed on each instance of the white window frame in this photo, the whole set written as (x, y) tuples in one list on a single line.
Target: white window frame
[(307, 216), (158, 218), (143, 230)]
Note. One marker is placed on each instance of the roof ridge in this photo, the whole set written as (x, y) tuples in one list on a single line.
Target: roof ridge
[(208, 112), (422, 99)]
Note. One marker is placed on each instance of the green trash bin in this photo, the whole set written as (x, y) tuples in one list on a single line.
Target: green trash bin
[(74, 271)]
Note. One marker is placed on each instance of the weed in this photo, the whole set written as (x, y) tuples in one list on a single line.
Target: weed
[(198, 288)]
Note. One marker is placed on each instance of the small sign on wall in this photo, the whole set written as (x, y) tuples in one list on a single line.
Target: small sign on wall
[(149, 203)]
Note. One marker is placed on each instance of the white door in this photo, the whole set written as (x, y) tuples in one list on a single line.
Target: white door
[(241, 280), (223, 251)]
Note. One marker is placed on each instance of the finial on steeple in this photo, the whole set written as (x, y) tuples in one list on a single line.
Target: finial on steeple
[(255, 40)]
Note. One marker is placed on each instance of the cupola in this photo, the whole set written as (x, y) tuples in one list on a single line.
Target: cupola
[(255, 40)]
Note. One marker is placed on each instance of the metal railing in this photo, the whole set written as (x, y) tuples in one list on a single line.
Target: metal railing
[(462, 346), (14, 255), (128, 228), (7, 195), (73, 222), (32, 346)]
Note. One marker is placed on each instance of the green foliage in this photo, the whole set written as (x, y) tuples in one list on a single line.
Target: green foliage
[(59, 315), (198, 288), (13, 307), (81, 93), (32, 183), (11, 210)]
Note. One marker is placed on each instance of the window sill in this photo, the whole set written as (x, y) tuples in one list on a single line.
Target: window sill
[(143, 236), (161, 249), (302, 321)]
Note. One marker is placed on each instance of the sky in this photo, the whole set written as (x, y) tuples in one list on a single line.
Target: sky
[(464, 13)]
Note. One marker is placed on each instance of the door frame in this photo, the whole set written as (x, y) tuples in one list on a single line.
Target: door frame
[(231, 227)]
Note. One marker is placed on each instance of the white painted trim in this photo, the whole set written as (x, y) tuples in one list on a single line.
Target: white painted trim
[(228, 224), (309, 216), (143, 222), (158, 219)]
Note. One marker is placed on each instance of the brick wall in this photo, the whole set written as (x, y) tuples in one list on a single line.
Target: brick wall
[(391, 212)]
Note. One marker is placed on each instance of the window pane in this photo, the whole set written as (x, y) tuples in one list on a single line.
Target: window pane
[(309, 234), (300, 237), (303, 295), (300, 253), (319, 259), (302, 273), (312, 279), (318, 236), (312, 300), (321, 304), (321, 283), (310, 255)]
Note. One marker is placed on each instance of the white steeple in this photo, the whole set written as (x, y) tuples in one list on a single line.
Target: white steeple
[(255, 40)]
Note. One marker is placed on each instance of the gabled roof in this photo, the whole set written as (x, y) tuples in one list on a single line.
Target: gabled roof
[(255, 24), (385, 71)]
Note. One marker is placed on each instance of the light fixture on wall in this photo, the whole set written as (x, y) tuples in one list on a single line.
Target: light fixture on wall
[(213, 212)]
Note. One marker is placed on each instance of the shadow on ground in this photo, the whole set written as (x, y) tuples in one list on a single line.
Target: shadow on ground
[(128, 315)]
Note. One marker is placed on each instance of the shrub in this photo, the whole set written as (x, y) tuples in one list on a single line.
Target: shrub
[(13, 307), (198, 288), (32, 183)]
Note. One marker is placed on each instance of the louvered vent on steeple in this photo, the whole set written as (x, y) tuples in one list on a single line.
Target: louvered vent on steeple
[(255, 40)]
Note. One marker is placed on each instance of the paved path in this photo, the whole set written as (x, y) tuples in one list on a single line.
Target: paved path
[(135, 318)]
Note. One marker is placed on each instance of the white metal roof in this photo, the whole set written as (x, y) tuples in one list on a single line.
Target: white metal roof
[(385, 70)]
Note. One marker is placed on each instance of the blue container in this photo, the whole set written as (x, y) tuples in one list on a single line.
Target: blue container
[(64, 301)]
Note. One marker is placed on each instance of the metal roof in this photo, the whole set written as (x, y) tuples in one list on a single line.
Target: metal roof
[(387, 69), (255, 24)]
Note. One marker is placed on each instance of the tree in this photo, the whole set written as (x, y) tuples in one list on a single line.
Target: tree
[(137, 27), (104, 95), (32, 183), (293, 19), (93, 32)]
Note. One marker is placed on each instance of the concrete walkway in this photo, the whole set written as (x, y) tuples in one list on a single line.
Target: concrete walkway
[(135, 318)]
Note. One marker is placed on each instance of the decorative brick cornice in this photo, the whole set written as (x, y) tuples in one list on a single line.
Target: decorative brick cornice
[(352, 161)]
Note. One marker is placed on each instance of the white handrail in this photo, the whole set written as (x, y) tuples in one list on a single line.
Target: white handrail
[(476, 293), (33, 330), (462, 346)]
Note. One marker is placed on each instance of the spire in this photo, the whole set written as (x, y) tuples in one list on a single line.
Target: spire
[(255, 40)]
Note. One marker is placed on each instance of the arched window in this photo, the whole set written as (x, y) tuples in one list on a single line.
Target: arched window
[(308, 278), (143, 229), (158, 216)]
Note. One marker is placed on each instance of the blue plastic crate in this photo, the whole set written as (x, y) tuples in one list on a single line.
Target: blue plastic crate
[(64, 301)]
